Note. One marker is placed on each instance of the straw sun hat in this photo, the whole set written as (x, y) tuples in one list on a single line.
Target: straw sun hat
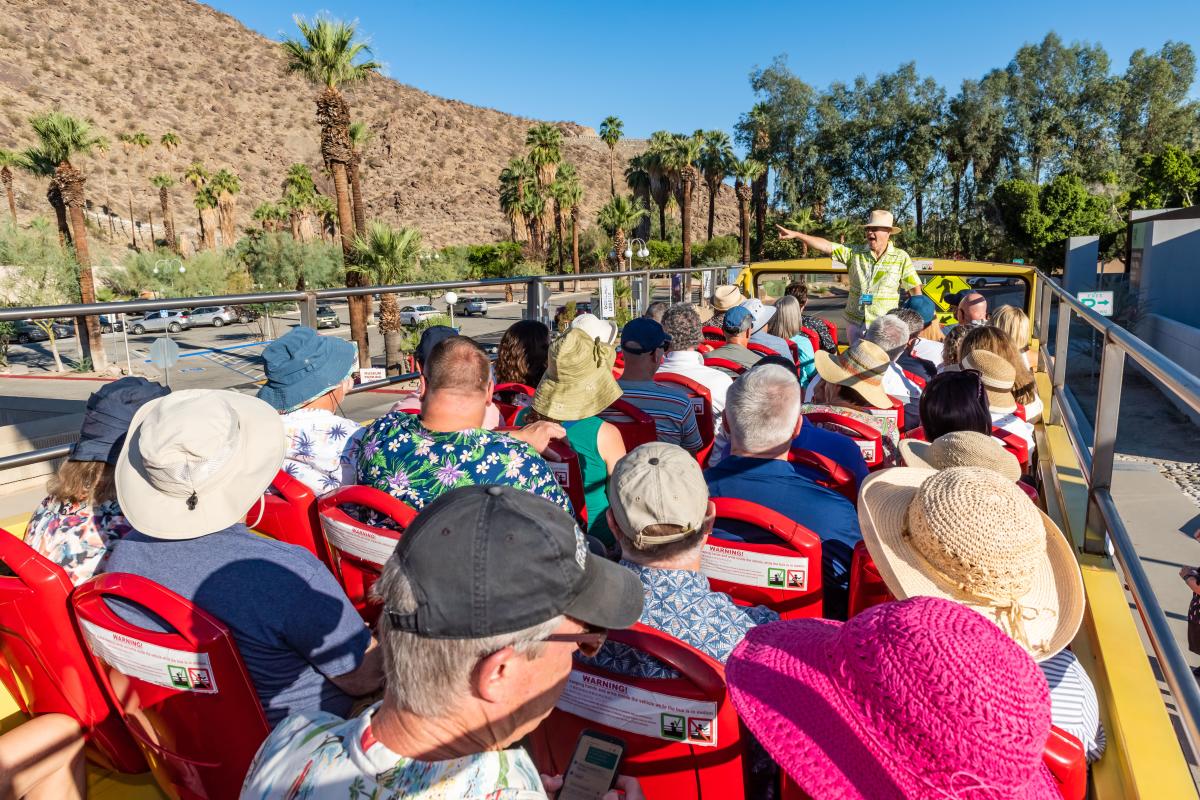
[(860, 368), (998, 377), (881, 219), (970, 535), (578, 382), (727, 296), (961, 449)]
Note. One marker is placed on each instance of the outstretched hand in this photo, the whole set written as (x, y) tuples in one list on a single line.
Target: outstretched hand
[(784, 233)]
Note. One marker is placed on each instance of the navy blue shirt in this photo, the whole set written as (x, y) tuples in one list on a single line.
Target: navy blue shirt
[(780, 487), (833, 445), (291, 620)]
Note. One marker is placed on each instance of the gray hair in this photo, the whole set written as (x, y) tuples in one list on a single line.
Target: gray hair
[(762, 408), (430, 676), (890, 333), (787, 321), (682, 323), (656, 310), (913, 319)]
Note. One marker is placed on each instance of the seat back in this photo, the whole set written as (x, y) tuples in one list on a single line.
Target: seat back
[(509, 411), (564, 463), (682, 737), (1015, 444), (725, 364), (43, 663), (636, 426), (833, 331), (895, 413), (357, 550), (701, 399), (712, 333), (761, 349), (813, 337), (289, 514), (867, 437), (834, 475), (917, 433), (185, 695), (618, 366), (866, 585), (785, 577), (1067, 761), (915, 378)]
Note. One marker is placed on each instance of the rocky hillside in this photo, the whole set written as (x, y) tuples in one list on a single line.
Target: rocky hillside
[(176, 65)]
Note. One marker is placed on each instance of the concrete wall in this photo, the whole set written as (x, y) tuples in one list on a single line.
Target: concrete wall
[(1169, 280), (31, 423), (1176, 341)]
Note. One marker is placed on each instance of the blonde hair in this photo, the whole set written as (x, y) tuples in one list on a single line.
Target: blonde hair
[(90, 482), (1014, 322), (992, 339), (787, 321)]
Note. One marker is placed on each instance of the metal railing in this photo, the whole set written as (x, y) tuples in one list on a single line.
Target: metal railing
[(1104, 522)]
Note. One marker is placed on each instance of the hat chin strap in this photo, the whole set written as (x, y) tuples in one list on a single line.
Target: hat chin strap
[(1011, 615)]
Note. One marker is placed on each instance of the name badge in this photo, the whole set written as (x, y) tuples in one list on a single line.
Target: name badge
[(866, 299)]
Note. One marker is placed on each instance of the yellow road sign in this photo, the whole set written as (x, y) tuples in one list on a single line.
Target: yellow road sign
[(939, 287)]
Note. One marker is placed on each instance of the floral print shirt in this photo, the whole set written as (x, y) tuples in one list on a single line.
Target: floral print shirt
[(322, 448), (402, 457), (76, 536), (318, 755)]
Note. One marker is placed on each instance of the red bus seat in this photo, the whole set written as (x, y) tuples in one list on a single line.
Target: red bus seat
[(691, 750), (896, 412), (785, 577), (836, 477), (564, 463), (867, 437), (509, 411), (712, 333), (866, 585), (725, 364), (917, 433), (704, 347), (1065, 758), (917, 379), (761, 349), (186, 695), (701, 399), (636, 426), (619, 366), (813, 337), (1015, 444), (357, 550), (289, 514), (795, 350), (43, 662), (833, 331)]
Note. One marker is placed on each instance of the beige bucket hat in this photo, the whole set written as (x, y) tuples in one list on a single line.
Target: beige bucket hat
[(578, 382), (727, 296), (998, 378), (961, 449), (196, 460), (881, 219), (860, 368), (970, 535), (596, 328)]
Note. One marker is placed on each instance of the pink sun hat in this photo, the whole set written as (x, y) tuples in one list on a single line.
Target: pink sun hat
[(921, 699)]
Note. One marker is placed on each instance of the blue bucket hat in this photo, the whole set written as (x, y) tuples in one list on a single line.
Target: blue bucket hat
[(109, 412), (922, 305), (302, 365)]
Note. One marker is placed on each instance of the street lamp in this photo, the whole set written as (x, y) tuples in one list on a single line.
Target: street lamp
[(451, 298), (640, 251)]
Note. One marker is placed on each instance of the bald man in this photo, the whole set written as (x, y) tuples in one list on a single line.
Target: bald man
[(972, 309)]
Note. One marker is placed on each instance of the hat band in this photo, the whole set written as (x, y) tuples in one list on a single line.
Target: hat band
[(862, 371)]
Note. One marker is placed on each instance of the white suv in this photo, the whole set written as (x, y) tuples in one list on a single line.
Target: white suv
[(414, 315)]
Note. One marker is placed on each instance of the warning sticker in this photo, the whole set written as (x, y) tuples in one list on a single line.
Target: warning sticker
[(162, 666), (635, 710), (562, 472), (699, 405), (923, 264), (371, 547), (867, 446), (749, 568)]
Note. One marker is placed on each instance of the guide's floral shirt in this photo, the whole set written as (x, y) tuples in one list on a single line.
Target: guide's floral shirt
[(315, 756), (322, 448), (76, 536), (402, 457)]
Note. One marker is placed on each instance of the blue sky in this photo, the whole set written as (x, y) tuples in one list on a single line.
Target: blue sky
[(683, 66)]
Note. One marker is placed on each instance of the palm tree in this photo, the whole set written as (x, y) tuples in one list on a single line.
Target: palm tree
[(164, 182), (40, 165), (572, 197), (141, 141), (617, 216), (198, 177), (681, 160), (266, 214), (388, 256), (654, 160), (328, 55), (715, 155), (326, 212), (226, 185), (565, 177), (169, 141), (760, 122), (745, 172), (360, 137), (637, 178), (610, 133), (512, 194), (545, 153), (61, 137), (8, 160), (206, 205), (533, 208), (299, 192)]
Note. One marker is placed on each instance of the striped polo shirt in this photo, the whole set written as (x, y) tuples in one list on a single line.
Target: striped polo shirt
[(672, 410)]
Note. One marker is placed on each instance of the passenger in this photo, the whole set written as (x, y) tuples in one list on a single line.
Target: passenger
[(478, 642), (972, 309), (308, 376), (1014, 322), (656, 310), (410, 402), (523, 354), (954, 401), (682, 323), (929, 341), (971, 536), (917, 700), (596, 328), (992, 339), (43, 759), (1191, 579), (194, 463), (997, 376), (762, 315), (416, 458), (644, 343), (786, 324), (577, 386), (950, 344), (762, 418), (799, 290), (852, 385), (80, 520), (725, 297), (908, 360), (736, 325), (890, 333), (662, 517)]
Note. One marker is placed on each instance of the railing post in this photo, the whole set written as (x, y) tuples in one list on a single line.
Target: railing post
[(1043, 315), (308, 310), (1104, 442), (639, 285), (537, 300), (1058, 376)]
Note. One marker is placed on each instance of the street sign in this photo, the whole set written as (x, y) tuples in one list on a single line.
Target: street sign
[(1100, 302), (370, 374), (608, 306), (163, 354), (942, 289), (706, 285)]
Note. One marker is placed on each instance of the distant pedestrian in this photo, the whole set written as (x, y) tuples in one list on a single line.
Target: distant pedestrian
[(1191, 576)]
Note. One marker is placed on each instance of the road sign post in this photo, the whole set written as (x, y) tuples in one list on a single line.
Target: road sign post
[(163, 354)]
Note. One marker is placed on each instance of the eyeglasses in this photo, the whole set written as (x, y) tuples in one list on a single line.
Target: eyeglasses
[(589, 642)]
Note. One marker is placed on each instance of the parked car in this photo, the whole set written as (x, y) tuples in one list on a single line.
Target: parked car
[(110, 323), (470, 306), (414, 315), (328, 318), (24, 332), (216, 316), (165, 320), (981, 281)]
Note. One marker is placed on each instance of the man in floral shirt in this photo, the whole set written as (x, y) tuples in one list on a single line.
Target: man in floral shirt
[(417, 458)]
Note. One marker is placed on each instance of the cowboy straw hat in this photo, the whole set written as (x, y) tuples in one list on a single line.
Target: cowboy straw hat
[(196, 460), (961, 449), (998, 377), (882, 219), (970, 535), (578, 382), (860, 368), (727, 296)]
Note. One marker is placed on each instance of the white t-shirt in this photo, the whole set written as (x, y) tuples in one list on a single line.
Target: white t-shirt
[(690, 364), (896, 383), (929, 350)]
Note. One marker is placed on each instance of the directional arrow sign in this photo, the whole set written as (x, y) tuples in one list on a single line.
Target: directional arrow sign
[(1100, 302)]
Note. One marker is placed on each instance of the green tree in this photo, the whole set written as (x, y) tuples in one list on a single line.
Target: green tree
[(513, 179), (8, 160), (544, 142), (610, 133), (163, 182), (619, 215), (1166, 180), (637, 178), (226, 186), (135, 141), (571, 195), (1041, 218), (564, 180), (716, 153), (40, 273), (681, 159), (656, 163), (745, 172), (198, 176), (388, 256)]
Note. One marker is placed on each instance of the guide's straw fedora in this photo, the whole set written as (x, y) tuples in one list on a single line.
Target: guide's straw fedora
[(882, 219)]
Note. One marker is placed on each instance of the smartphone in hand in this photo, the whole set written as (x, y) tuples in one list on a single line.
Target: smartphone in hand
[(593, 768)]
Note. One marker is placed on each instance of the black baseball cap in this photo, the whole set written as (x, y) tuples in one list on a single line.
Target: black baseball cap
[(643, 335), (490, 560)]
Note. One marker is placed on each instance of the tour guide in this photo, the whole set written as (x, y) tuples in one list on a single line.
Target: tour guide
[(876, 271)]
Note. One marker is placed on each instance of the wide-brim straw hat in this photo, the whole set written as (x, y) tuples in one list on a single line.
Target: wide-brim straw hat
[(881, 219), (961, 449), (727, 296), (195, 461), (578, 382), (998, 378), (860, 368), (970, 535)]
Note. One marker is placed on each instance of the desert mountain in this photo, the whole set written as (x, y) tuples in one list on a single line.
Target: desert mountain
[(177, 65)]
